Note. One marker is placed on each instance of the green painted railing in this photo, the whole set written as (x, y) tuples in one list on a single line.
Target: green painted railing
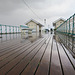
[(68, 27), (9, 29), (68, 42)]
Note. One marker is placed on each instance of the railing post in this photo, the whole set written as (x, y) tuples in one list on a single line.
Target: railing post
[(5, 29), (73, 25), (66, 27), (69, 26), (13, 29), (1, 29), (16, 29), (9, 29)]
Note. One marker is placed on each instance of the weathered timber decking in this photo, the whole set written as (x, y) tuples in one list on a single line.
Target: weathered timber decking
[(45, 56)]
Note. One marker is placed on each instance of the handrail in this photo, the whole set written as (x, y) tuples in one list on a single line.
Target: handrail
[(68, 26)]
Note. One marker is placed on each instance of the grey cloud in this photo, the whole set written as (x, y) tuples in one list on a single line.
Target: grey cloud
[(7, 6), (16, 12)]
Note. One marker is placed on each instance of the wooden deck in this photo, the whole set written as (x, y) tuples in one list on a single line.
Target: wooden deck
[(44, 56)]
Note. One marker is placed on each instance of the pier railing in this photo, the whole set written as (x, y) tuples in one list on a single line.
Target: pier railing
[(68, 42), (68, 27), (9, 29)]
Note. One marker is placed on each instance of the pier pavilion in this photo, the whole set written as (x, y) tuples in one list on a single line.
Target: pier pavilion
[(36, 26)]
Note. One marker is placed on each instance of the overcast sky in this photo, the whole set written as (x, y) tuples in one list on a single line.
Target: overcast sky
[(15, 12)]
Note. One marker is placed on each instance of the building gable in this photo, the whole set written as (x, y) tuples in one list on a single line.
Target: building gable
[(58, 22), (37, 23)]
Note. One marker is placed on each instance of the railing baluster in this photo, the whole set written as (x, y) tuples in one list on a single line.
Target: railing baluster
[(69, 26), (73, 26)]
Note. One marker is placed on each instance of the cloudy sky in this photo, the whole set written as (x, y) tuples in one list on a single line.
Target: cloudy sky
[(16, 12)]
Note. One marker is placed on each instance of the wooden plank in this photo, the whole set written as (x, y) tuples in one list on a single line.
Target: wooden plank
[(55, 63), (12, 48), (12, 43), (17, 69), (67, 67), (16, 50), (9, 43), (2, 52), (31, 68), (44, 65), (11, 51), (14, 62), (70, 57), (15, 53), (5, 45), (12, 56)]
